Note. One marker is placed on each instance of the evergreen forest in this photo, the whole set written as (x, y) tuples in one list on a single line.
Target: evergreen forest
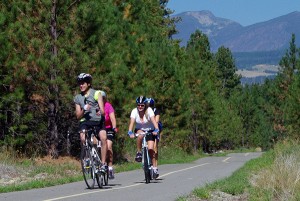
[(127, 46)]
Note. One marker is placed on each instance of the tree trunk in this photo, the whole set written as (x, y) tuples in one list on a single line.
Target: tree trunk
[(195, 132), (53, 88)]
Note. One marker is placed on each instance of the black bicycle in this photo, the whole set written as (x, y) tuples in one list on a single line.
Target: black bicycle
[(146, 159), (91, 163)]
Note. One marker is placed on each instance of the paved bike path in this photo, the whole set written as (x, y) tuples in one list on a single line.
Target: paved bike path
[(175, 180)]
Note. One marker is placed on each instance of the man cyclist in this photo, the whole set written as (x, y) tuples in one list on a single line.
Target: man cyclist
[(89, 109), (144, 120)]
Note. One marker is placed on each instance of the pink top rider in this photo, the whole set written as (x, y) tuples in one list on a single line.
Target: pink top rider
[(108, 109)]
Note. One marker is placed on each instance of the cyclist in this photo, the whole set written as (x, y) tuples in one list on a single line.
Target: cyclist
[(151, 103), (143, 118), (111, 130), (89, 109)]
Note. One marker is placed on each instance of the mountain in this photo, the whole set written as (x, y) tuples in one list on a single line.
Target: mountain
[(271, 35), (257, 49)]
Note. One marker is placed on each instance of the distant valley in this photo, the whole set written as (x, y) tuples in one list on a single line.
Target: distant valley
[(257, 48)]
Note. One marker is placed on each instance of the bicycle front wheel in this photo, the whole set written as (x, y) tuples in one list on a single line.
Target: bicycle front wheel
[(87, 165), (146, 165)]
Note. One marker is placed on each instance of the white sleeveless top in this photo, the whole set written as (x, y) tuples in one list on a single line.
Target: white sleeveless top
[(144, 124)]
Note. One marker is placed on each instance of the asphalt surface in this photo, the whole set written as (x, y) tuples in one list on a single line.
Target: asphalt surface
[(174, 181)]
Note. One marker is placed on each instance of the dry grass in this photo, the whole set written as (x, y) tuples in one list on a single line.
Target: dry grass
[(282, 179)]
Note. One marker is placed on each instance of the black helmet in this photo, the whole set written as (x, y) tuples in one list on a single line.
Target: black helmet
[(151, 102), (140, 100), (84, 77)]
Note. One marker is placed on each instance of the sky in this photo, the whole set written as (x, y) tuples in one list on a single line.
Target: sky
[(245, 12)]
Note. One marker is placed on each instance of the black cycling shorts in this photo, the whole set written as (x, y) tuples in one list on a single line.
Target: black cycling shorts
[(99, 125), (110, 134)]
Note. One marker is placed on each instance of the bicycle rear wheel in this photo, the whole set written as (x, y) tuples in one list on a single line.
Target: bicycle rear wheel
[(146, 165), (105, 174), (100, 179), (88, 168), (106, 177)]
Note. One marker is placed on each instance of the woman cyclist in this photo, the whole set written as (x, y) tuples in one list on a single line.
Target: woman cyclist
[(143, 119), (111, 130), (151, 103)]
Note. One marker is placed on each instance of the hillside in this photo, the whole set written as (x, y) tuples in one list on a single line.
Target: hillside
[(254, 46), (271, 35)]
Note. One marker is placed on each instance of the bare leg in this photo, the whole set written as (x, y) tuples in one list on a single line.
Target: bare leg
[(103, 138), (139, 143), (82, 138), (156, 153), (109, 153), (151, 151)]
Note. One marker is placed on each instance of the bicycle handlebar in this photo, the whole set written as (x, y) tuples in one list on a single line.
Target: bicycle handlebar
[(143, 133)]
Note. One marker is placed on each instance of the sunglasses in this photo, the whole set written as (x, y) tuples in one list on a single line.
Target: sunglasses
[(141, 105)]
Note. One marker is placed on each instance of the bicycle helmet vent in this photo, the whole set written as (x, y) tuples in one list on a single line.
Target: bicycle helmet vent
[(84, 77)]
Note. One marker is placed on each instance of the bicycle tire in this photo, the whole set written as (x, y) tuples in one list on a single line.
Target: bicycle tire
[(146, 165), (100, 172), (88, 170), (100, 179), (106, 177)]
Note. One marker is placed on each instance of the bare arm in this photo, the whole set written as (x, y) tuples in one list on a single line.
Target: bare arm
[(131, 124), (157, 118), (113, 119), (154, 122), (101, 105), (78, 111)]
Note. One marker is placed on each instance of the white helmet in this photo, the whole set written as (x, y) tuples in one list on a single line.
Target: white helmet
[(103, 94)]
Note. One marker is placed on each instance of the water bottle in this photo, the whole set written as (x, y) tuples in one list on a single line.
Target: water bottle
[(87, 162)]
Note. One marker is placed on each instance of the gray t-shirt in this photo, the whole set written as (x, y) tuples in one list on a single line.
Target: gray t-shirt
[(92, 100)]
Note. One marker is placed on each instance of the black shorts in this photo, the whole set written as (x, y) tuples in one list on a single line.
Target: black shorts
[(110, 134), (149, 137), (99, 125)]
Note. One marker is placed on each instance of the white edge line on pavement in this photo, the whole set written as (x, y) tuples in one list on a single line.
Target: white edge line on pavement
[(184, 169), (101, 190), (226, 159)]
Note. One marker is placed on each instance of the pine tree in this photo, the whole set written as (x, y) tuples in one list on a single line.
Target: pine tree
[(226, 71), (201, 81), (43, 68), (284, 81)]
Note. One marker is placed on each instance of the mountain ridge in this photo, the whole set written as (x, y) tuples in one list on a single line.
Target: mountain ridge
[(257, 48), (270, 35)]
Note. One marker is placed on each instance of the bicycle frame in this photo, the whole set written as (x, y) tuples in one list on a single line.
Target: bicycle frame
[(92, 171), (146, 159)]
